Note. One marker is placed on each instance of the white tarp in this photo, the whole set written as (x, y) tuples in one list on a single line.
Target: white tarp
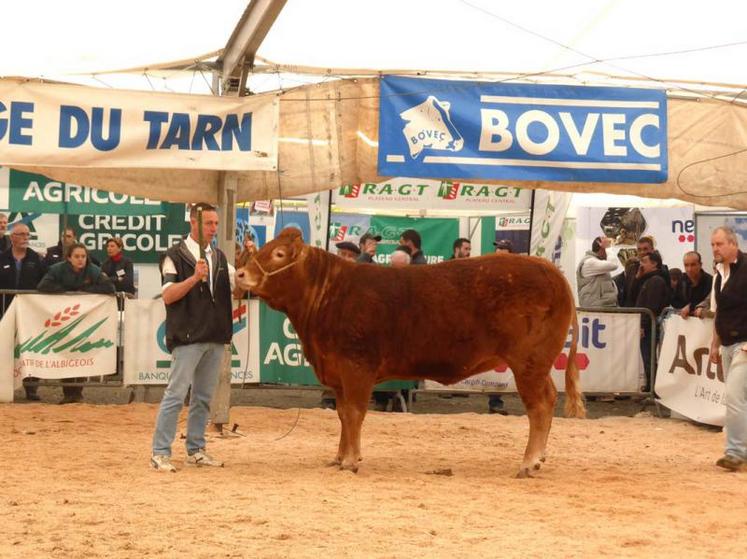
[(686, 381), (77, 126), (608, 358)]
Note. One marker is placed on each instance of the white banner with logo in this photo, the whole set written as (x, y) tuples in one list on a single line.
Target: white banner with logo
[(686, 381), (147, 361), (77, 126), (673, 230), (608, 358), (416, 194), (548, 212), (318, 206), (57, 336)]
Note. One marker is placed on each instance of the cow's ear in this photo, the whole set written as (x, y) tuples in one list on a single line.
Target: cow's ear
[(290, 234)]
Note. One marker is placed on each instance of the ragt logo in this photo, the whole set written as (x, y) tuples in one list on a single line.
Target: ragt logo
[(428, 125)]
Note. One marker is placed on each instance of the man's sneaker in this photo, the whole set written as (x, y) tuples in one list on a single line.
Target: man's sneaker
[(162, 463), (729, 462), (201, 458)]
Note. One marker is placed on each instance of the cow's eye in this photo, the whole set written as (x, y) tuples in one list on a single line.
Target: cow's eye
[(279, 254)]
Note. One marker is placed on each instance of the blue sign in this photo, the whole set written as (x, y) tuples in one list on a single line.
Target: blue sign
[(299, 220), (476, 130)]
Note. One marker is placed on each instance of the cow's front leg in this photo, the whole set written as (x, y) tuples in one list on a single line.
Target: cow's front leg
[(340, 405), (356, 405)]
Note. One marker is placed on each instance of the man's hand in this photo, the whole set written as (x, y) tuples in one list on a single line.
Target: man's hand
[(698, 312), (201, 270), (684, 313), (715, 354)]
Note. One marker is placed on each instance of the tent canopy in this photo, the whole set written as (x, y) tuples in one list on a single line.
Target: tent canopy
[(328, 131)]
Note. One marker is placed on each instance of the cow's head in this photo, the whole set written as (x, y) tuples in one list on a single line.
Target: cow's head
[(264, 274)]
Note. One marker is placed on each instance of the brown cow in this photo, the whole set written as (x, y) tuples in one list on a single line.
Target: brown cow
[(361, 324)]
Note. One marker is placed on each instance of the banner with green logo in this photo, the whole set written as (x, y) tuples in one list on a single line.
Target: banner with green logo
[(438, 235), (144, 237), (37, 193)]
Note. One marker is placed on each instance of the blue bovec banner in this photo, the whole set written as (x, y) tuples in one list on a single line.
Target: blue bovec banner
[(477, 130)]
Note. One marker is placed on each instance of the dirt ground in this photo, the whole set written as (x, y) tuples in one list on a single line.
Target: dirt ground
[(76, 483)]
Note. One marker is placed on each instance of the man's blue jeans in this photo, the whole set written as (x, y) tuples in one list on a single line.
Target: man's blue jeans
[(735, 368), (197, 365)]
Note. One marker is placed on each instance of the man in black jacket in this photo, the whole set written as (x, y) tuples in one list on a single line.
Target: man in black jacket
[(20, 268), (197, 285), (696, 283), (729, 342), (654, 294)]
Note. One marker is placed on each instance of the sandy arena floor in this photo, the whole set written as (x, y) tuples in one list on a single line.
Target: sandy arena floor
[(76, 483)]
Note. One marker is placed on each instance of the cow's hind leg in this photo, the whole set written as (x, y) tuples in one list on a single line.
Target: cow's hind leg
[(538, 393)]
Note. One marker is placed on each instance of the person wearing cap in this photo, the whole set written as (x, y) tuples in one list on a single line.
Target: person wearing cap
[(596, 288), (504, 245), (368, 244), (348, 250), (411, 238)]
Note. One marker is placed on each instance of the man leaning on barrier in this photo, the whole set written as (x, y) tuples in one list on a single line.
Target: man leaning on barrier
[(197, 285), (20, 268), (729, 342)]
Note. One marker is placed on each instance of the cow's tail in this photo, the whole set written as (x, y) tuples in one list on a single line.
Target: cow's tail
[(574, 399)]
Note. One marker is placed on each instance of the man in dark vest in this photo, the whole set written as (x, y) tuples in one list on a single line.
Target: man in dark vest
[(729, 342), (197, 285)]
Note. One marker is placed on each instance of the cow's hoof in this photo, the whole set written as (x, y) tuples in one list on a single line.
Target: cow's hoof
[(352, 467), (332, 463), (523, 473)]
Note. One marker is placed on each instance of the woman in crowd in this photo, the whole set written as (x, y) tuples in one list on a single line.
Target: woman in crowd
[(76, 273), (118, 267)]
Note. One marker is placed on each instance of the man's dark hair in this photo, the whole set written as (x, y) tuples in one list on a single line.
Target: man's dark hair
[(69, 250), (204, 206), (655, 257), (696, 253), (596, 244), (647, 239), (459, 242), (412, 236)]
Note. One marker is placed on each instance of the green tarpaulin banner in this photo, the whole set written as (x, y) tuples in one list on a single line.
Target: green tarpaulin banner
[(438, 235)]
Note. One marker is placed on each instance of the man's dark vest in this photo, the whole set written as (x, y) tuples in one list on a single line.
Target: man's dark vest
[(199, 317), (731, 303)]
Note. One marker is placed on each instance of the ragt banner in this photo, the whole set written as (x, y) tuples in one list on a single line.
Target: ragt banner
[(473, 130), (416, 194), (686, 381), (63, 336), (148, 361), (77, 126), (608, 358)]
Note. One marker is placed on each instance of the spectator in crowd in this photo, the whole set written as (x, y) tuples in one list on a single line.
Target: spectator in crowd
[(20, 268), (654, 294), (76, 273), (646, 245), (411, 239), (626, 283), (676, 288), (368, 243), (495, 400), (593, 277), (56, 254), (401, 257), (729, 342), (462, 248), (504, 245), (197, 285), (348, 250), (248, 249), (4, 240), (118, 267), (696, 284)]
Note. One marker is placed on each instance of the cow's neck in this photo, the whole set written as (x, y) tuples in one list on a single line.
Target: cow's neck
[(316, 277)]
